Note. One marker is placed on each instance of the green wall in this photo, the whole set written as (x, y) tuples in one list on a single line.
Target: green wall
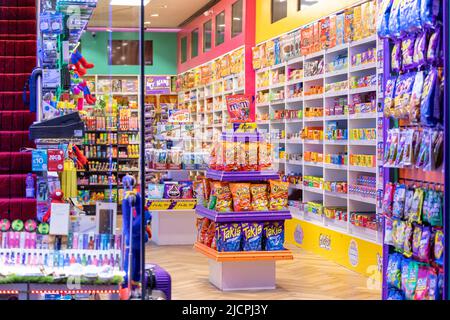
[(164, 53)]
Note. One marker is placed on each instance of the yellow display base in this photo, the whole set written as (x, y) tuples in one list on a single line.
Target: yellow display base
[(362, 256)]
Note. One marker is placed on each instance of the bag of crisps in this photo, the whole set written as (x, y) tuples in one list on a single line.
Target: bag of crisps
[(260, 199), (241, 196), (220, 199), (229, 156), (265, 156), (278, 195)]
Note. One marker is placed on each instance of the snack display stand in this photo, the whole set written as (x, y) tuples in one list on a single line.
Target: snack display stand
[(242, 270)]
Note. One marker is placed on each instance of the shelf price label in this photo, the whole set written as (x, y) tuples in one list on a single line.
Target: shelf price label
[(159, 205), (185, 205)]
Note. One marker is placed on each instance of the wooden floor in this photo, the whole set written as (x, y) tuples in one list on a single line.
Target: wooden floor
[(308, 276)]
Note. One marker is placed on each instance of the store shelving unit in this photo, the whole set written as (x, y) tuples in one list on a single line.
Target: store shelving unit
[(296, 145)]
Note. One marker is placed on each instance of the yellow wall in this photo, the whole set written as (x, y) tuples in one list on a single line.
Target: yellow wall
[(266, 30), (353, 253)]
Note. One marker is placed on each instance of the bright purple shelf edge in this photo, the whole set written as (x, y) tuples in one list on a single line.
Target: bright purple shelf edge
[(249, 216), (242, 175)]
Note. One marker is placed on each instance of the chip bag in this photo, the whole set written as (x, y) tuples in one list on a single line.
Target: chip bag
[(241, 196), (260, 199), (221, 198), (278, 198), (252, 233), (229, 236), (422, 287), (273, 236)]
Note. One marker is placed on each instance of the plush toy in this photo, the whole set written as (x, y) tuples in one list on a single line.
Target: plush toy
[(81, 91), (131, 217), (79, 63), (78, 157), (57, 197)]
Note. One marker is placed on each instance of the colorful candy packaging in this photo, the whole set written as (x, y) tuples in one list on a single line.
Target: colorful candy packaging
[(202, 227), (387, 199), (186, 188), (332, 34), (172, 190), (400, 148), (260, 200), (407, 244), (399, 201), (229, 237), (221, 198), (425, 244), (199, 193), (155, 191), (434, 46), (324, 32), (415, 213), (348, 25), (251, 156), (383, 19), (408, 203), (399, 240), (396, 57), (278, 198), (421, 292), (408, 45), (411, 282), (340, 29), (433, 284), (420, 50), (394, 294), (416, 94), (357, 23), (429, 11), (274, 236), (405, 273), (229, 156), (209, 235), (417, 236), (265, 156), (394, 23), (393, 271), (240, 108), (409, 16), (241, 196), (428, 98), (388, 231), (389, 96), (252, 236), (438, 250)]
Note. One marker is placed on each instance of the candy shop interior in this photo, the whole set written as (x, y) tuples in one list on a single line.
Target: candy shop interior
[(250, 149)]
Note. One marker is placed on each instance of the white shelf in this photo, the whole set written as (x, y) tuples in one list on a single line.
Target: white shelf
[(364, 41), (294, 100), (295, 162), (277, 102), (336, 142), (337, 48), (336, 194), (277, 86), (314, 190), (278, 140), (335, 166), (365, 115), (313, 78), (363, 169), (314, 119), (263, 122), (295, 186), (313, 97), (293, 82), (295, 61), (294, 141), (313, 141), (332, 94), (277, 121), (263, 89), (361, 67), (362, 199), (262, 105), (363, 90), (363, 142), (294, 121), (313, 164), (338, 117), (314, 55), (336, 73)]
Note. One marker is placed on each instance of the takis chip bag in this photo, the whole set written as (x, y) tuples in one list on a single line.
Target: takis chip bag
[(274, 236), (260, 199), (221, 198), (252, 236), (241, 196), (229, 237), (278, 198), (240, 108)]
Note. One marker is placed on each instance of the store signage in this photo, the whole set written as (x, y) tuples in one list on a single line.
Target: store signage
[(39, 160), (241, 108), (185, 205), (159, 205), (55, 160), (178, 116), (156, 205), (158, 85)]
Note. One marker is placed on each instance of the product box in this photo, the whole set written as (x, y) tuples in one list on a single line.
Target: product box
[(340, 29), (348, 25), (357, 24)]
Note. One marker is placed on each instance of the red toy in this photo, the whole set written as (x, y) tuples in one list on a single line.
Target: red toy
[(57, 197), (79, 63)]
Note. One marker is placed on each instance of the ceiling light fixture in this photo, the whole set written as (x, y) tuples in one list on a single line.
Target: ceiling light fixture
[(154, 15), (237, 19), (129, 3)]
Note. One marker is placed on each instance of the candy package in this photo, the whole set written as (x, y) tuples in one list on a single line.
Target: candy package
[(252, 236), (187, 190), (260, 199), (408, 45), (417, 236), (265, 156), (388, 231), (229, 156), (387, 199), (421, 292), (383, 19), (199, 193), (172, 190), (229, 237), (407, 155), (437, 150), (324, 33), (202, 227), (399, 201), (416, 95), (348, 25), (357, 23), (438, 247), (413, 273), (251, 157), (393, 271), (404, 273), (409, 16), (394, 23), (408, 203), (274, 236), (429, 11), (278, 198), (332, 33), (389, 96), (433, 284), (393, 147), (210, 233), (340, 29), (396, 57), (427, 202), (394, 294), (428, 98), (399, 239), (434, 46), (415, 213), (407, 244), (400, 148), (221, 198), (241, 196), (425, 244), (423, 156), (420, 50), (434, 215), (155, 191)]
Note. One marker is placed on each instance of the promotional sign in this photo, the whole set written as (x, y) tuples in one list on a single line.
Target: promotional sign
[(166, 204), (158, 85), (55, 160), (39, 160), (178, 116), (241, 108)]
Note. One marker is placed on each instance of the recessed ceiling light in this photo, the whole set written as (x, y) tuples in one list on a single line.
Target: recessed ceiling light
[(128, 3), (148, 22), (124, 44), (154, 15)]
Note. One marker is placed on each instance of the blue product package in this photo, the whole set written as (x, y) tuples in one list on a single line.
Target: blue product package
[(393, 271), (274, 236), (433, 285), (229, 237), (409, 17), (394, 24), (429, 10), (383, 19), (394, 294), (252, 236), (404, 274)]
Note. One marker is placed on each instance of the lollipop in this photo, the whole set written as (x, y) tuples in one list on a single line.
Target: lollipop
[(17, 225), (30, 225), (43, 228), (5, 225)]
